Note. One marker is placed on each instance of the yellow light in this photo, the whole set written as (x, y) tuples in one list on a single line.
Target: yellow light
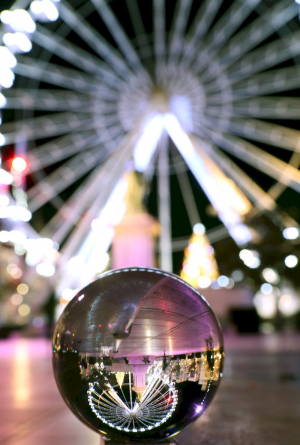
[(22, 289), (19, 164), (171, 346), (24, 310), (21, 373)]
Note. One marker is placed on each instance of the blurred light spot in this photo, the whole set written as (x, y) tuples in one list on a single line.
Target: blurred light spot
[(271, 275), (250, 258), (2, 139), (5, 177), (199, 229), (291, 261), (265, 305), (19, 249), (7, 77), (19, 164), (223, 281), (10, 267), (24, 310), (289, 305), (44, 9), (22, 288), (68, 294), (21, 374), (2, 101), (4, 200), (19, 20), (16, 236), (191, 271), (230, 284), (45, 269), (291, 233), (4, 236), (38, 322), (204, 282), (266, 288), (16, 273), (18, 41), (17, 299), (7, 59)]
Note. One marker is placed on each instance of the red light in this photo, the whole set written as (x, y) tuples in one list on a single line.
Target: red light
[(169, 400), (100, 325), (19, 164)]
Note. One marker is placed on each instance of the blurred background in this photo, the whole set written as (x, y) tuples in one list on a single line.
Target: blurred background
[(155, 134), (181, 111)]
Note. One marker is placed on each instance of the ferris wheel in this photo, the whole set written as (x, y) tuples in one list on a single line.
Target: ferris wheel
[(91, 85), (120, 408)]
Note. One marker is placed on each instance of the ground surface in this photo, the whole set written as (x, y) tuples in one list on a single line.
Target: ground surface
[(258, 401)]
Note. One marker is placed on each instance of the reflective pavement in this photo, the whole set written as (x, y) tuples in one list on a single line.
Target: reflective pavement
[(258, 401)]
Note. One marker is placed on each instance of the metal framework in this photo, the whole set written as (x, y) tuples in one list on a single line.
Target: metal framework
[(91, 92)]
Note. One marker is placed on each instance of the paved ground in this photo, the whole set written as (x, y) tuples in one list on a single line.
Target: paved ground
[(258, 401)]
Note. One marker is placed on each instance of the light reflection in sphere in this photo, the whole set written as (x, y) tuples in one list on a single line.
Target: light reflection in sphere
[(138, 355)]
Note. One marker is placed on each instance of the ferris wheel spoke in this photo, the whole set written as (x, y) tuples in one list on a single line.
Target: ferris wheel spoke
[(159, 35), (182, 11), (201, 25), (264, 83), (76, 56), (277, 189), (70, 212), (120, 37), (93, 39), (151, 389), (109, 174), (260, 159), (125, 401), (262, 107), (256, 194), (46, 126), (255, 33), (63, 177), (64, 77), (53, 100), (266, 57), (152, 398), (165, 239), (61, 148), (140, 33), (187, 194), (261, 131), (66, 146), (224, 29)]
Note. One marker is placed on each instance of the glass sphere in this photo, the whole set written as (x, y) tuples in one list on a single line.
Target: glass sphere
[(138, 355)]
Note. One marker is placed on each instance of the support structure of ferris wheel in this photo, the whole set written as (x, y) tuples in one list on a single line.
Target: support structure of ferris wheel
[(209, 77)]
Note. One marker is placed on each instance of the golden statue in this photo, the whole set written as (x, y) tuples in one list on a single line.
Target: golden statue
[(135, 193)]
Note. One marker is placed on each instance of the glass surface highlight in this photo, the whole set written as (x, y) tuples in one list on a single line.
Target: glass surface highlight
[(138, 355)]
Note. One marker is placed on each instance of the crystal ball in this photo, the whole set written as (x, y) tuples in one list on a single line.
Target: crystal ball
[(138, 355)]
